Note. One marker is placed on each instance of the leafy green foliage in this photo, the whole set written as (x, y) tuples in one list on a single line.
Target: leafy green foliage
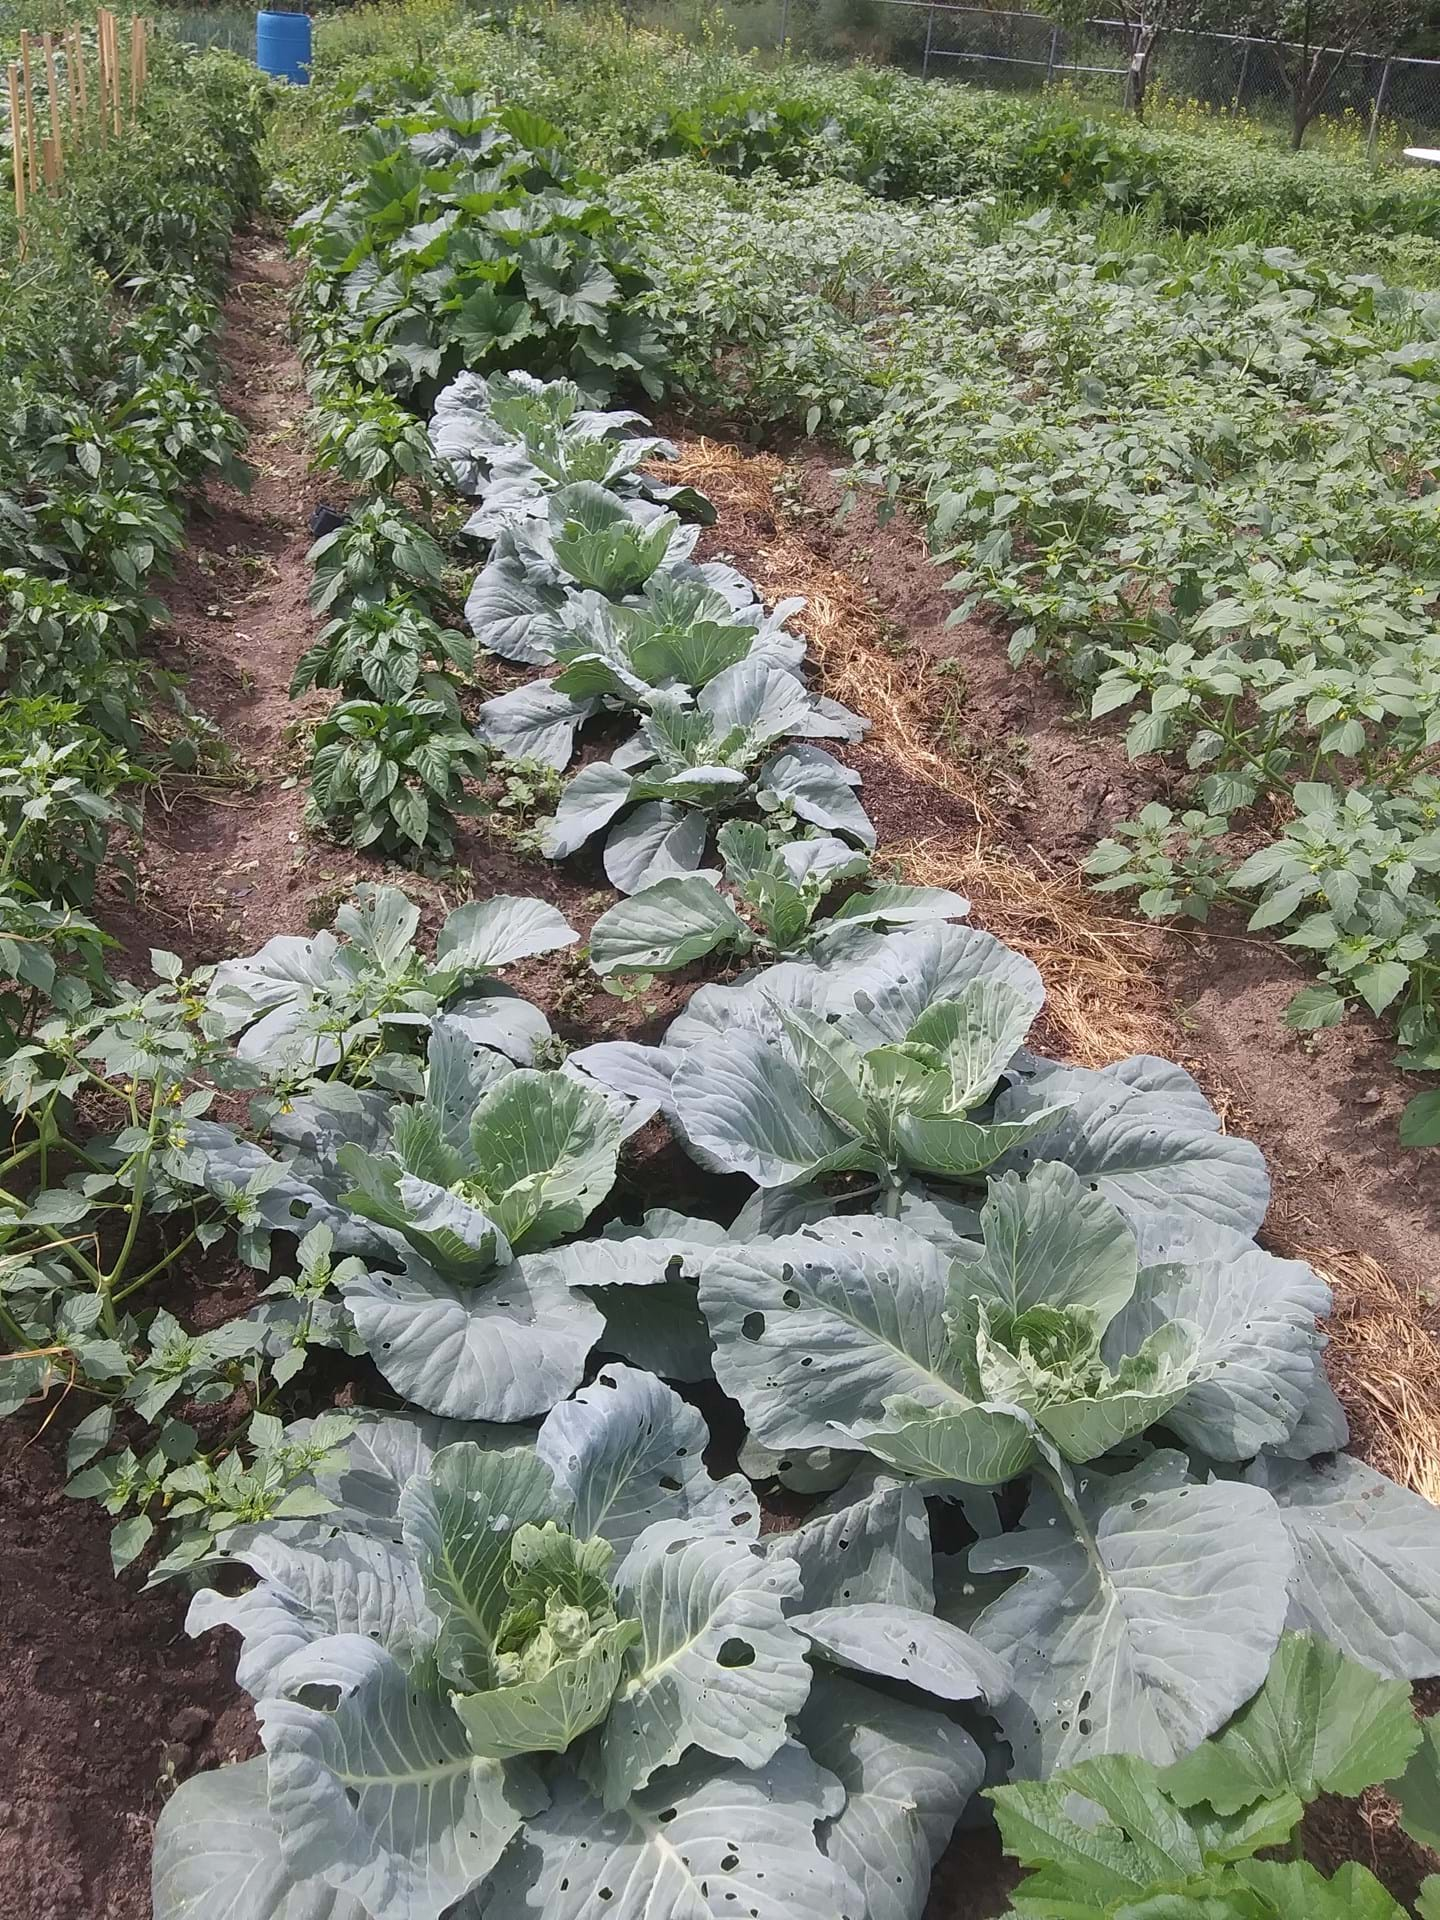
[(1120, 1836), (632, 97), (385, 649), (58, 802), (367, 438), (334, 1012), (1085, 475), (376, 552), (468, 239), (391, 775)]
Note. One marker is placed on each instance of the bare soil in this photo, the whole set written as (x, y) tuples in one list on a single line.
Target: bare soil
[(105, 1701)]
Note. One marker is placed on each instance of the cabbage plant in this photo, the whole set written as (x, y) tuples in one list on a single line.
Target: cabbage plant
[(659, 792), (902, 1059), (1057, 1291), (675, 636), (589, 539), (479, 418), (349, 1003), (448, 1205), (779, 884), (511, 441), (569, 1676)]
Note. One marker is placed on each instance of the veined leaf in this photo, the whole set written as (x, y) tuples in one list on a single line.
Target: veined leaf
[(381, 1795), (508, 1349), (218, 1856), (459, 1518), (1367, 1562), (901, 1643), (628, 1452), (718, 1666), (667, 1853), (666, 926), (1147, 1613), (1320, 1724), (908, 1774), (876, 1549), (311, 1587)]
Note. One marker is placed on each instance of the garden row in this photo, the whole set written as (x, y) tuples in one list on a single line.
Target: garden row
[(501, 1667), (1194, 473), (107, 383), (514, 1647), (628, 97)]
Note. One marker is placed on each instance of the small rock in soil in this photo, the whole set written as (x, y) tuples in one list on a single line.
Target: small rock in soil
[(189, 1725)]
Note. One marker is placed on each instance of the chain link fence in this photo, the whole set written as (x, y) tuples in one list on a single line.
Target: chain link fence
[(1386, 101)]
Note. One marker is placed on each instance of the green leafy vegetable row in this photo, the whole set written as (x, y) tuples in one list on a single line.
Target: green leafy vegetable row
[(515, 1646)]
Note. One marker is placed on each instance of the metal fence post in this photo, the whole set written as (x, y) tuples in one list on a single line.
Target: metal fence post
[(929, 37), (1050, 63), (1375, 114), (1240, 83), (784, 23)]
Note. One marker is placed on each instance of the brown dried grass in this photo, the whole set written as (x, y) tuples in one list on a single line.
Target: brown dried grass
[(1100, 1005), (1099, 1002), (839, 622), (1384, 1362)]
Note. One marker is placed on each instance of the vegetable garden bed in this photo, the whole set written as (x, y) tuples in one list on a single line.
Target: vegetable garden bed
[(504, 1667)]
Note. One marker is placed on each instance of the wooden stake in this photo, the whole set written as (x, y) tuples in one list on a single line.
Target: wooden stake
[(102, 83), (137, 49), (109, 82), (67, 47), (52, 84), (51, 158), (79, 87), (32, 145), (113, 29), (17, 148)]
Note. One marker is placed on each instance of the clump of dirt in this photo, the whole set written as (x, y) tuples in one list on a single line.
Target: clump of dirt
[(104, 1699)]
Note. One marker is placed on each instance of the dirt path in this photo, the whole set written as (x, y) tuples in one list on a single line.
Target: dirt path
[(222, 862)]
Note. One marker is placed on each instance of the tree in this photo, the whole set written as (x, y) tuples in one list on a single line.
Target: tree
[(1145, 23), (1313, 39)]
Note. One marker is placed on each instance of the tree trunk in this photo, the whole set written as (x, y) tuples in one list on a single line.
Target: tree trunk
[(1137, 79), (1299, 118), (1306, 92)]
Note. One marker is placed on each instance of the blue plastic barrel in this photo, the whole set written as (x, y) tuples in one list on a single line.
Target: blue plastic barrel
[(282, 46)]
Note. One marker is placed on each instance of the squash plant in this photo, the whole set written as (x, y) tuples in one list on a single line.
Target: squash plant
[(467, 239), (1118, 1835)]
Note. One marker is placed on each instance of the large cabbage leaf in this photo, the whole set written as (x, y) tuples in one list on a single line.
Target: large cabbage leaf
[(1148, 1610)]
